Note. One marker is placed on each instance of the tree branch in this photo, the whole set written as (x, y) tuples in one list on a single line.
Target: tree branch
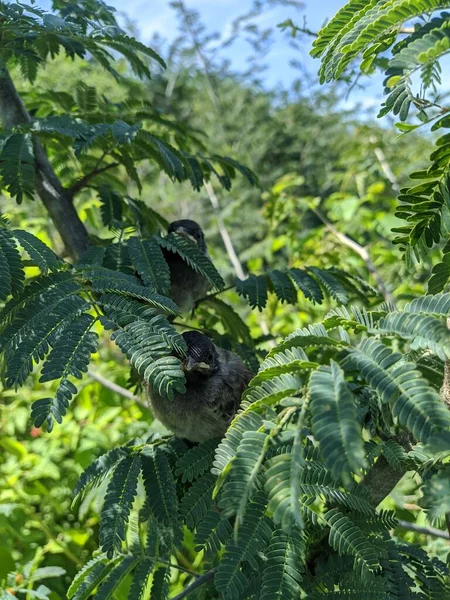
[(426, 530), (110, 385), (380, 480), (385, 166), (224, 232), (81, 183), (197, 583), (54, 196), (363, 253)]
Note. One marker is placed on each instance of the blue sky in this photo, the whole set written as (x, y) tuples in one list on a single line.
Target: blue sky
[(157, 16)]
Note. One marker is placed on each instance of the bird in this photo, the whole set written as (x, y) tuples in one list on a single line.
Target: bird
[(215, 381), (187, 286)]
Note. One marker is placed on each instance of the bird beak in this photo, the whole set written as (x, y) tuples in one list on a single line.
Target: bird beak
[(190, 364), (185, 234)]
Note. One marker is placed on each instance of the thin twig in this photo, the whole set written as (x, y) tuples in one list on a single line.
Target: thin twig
[(224, 231), (197, 583), (426, 530), (187, 326), (361, 251), (385, 166), (114, 387), (81, 183)]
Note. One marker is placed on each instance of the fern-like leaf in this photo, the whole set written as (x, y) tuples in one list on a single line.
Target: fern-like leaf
[(39, 252), (119, 499), (254, 288), (196, 460), (244, 472), (149, 261), (413, 402), (253, 535), (160, 485), (195, 258), (346, 538), (282, 572), (12, 274), (212, 533), (89, 578), (115, 577), (141, 577), (197, 500), (99, 469), (17, 166), (334, 422)]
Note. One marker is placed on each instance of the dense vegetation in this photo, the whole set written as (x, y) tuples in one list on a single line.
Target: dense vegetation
[(333, 479)]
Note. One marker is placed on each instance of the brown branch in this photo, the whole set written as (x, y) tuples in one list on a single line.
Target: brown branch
[(361, 251), (381, 480), (196, 584), (81, 183), (426, 530), (54, 196)]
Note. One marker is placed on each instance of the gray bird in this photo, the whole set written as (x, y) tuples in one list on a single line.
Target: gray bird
[(187, 286), (215, 380)]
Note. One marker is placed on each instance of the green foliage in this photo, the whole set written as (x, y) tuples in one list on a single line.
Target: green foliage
[(282, 573), (194, 258), (334, 423), (17, 166), (282, 507), (313, 283)]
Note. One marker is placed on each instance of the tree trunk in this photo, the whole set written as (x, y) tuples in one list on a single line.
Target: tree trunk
[(54, 196)]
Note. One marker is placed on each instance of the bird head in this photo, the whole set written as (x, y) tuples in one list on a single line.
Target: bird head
[(202, 358), (190, 230)]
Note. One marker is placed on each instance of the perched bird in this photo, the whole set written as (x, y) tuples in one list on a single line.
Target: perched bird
[(215, 380), (187, 286)]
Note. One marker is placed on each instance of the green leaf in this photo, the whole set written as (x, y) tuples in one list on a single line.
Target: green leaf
[(39, 252), (111, 206), (160, 485), (12, 274), (104, 281), (436, 494), (99, 469), (119, 500), (149, 261), (413, 402), (71, 353), (253, 536), (89, 578), (332, 285), (307, 285), (213, 531), (194, 257), (115, 577), (334, 422), (37, 343), (197, 500), (141, 579), (196, 460), (17, 166), (282, 571), (346, 538), (283, 286), (254, 288)]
